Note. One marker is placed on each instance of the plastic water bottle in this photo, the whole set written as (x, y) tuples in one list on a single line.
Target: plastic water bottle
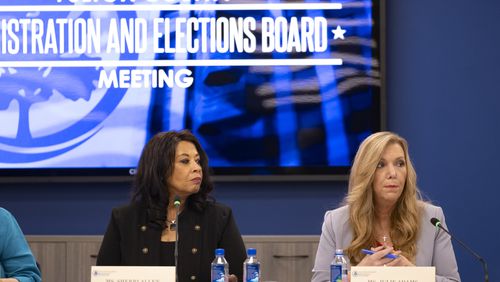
[(251, 267), (339, 267), (220, 267)]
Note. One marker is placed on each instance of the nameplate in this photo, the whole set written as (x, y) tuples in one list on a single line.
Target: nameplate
[(132, 274), (393, 274)]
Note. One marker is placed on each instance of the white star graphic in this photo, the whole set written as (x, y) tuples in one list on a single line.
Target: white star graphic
[(338, 33)]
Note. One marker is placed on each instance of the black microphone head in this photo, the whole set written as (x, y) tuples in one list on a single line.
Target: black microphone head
[(177, 200), (435, 222)]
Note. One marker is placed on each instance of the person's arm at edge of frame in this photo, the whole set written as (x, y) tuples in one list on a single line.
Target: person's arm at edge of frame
[(17, 259)]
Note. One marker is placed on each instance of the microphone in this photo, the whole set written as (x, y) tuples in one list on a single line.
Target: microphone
[(177, 205), (438, 224)]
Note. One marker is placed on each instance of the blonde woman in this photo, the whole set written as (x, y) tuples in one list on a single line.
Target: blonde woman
[(384, 212)]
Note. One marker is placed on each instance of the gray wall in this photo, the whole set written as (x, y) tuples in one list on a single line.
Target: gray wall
[(443, 70)]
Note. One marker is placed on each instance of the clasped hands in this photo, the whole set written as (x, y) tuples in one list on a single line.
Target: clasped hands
[(379, 259)]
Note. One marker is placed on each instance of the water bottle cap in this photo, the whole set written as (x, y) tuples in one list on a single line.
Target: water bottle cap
[(339, 252), (219, 252), (251, 252)]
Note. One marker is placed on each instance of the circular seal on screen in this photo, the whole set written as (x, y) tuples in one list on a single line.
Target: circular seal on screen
[(52, 110)]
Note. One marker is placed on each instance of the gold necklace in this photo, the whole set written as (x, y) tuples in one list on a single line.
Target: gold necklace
[(385, 240)]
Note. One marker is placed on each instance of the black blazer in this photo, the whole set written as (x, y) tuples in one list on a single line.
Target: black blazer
[(130, 240)]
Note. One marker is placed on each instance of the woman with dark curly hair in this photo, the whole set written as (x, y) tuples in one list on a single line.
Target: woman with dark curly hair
[(173, 166)]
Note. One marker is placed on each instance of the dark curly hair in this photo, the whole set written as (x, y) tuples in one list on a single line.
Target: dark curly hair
[(156, 165)]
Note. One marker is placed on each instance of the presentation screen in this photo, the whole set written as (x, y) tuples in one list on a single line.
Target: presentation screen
[(268, 87)]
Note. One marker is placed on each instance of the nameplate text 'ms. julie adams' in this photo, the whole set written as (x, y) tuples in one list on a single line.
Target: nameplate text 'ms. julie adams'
[(132, 274), (392, 274)]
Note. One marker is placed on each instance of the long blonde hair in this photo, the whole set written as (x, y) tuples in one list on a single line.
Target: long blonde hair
[(405, 219)]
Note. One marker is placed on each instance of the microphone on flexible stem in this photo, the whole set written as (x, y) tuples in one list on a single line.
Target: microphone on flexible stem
[(438, 224), (177, 204)]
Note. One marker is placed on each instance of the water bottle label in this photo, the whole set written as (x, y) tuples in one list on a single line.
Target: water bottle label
[(252, 273), (218, 273), (336, 273)]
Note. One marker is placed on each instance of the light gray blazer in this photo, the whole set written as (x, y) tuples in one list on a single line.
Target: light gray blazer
[(433, 246)]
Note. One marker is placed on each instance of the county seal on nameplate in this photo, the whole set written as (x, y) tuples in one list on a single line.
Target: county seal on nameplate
[(132, 274), (393, 274)]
